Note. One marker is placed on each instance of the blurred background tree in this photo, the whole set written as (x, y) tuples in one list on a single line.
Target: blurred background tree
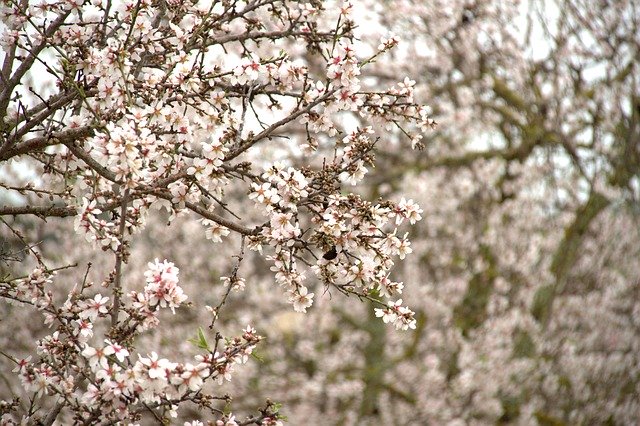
[(524, 274)]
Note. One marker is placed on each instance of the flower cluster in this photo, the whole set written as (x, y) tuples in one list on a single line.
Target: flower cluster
[(398, 315), (162, 286), (154, 380), (103, 381)]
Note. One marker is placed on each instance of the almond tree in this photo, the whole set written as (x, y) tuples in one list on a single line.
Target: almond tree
[(113, 111), (523, 275)]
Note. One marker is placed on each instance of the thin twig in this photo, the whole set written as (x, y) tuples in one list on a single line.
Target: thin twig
[(117, 281), (232, 280)]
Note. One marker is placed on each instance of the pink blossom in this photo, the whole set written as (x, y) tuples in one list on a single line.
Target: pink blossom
[(94, 307)]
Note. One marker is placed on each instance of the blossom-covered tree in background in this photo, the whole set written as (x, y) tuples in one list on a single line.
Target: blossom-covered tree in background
[(255, 124), (527, 308)]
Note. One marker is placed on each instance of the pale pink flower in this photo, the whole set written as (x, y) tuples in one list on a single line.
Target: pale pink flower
[(301, 299), (94, 307), (115, 349), (157, 368), (95, 356)]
